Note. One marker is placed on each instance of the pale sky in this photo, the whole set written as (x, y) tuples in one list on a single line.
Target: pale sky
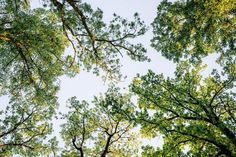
[(86, 85)]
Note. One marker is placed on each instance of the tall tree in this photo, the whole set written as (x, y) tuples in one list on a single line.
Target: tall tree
[(195, 114), (32, 57), (97, 129), (190, 111)]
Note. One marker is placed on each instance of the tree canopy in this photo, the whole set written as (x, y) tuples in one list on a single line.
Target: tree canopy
[(195, 114)]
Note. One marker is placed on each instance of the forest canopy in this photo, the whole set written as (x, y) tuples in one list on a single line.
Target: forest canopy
[(194, 113)]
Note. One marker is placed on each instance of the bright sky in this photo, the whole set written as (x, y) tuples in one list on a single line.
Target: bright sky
[(86, 85)]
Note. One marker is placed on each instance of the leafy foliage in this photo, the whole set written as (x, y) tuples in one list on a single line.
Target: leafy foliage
[(97, 44), (30, 47), (192, 112), (25, 124)]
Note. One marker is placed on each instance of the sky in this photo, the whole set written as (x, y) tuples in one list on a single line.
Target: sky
[(86, 85)]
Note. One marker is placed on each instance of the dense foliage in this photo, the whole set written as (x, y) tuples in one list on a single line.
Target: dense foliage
[(194, 27)]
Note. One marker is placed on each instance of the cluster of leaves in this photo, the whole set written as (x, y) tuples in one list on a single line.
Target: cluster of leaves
[(97, 44), (24, 126), (30, 45), (194, 27)]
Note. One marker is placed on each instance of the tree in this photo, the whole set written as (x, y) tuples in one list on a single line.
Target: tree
[(98, 130), (32, 48), (191, 111), (99, 44)]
